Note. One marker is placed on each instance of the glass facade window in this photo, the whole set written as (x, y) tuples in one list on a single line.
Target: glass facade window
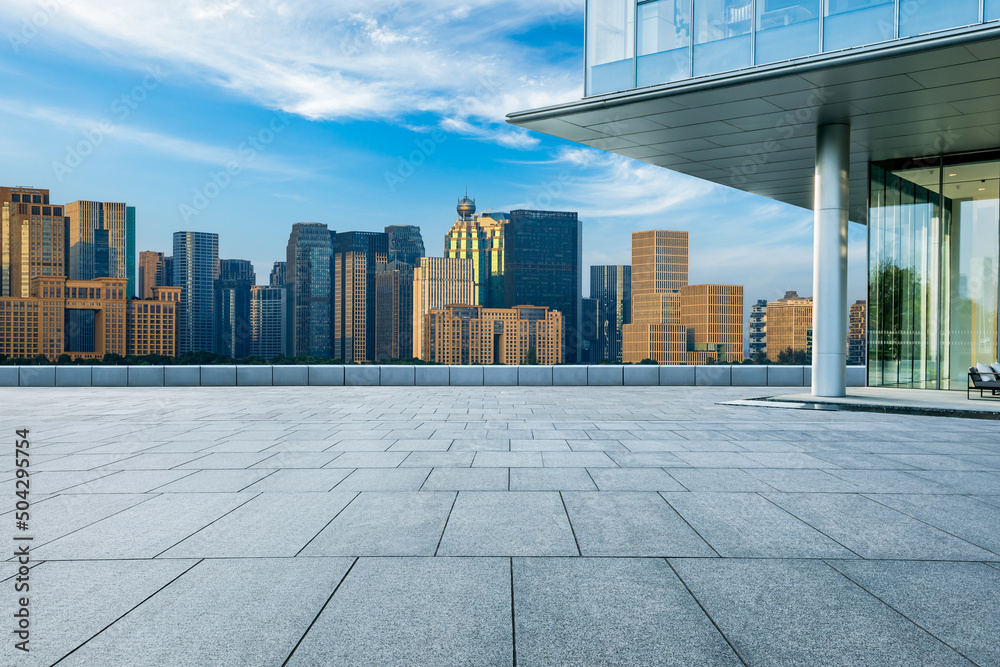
[(722, 35), (786, 29), (850, 23), (664, 37), (991, 10), (610, 48), (916, 18), (934, 267)]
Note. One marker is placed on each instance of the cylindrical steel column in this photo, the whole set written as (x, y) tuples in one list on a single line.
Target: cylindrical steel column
[(829, 340)]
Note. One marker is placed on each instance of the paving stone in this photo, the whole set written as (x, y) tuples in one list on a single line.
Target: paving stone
[(745, 525), (385, 524), (72, 601), (974, 521), (632, 524), (802, 612), (421, 459), (799, 480), (717, 479), (132, 481), (577, 460), (145, 530), (508, 523), (296, 460), (872, 530), (959, 603), (889, 481), (384, 479), (964, 482), (192, 621), (61, 515), (467, 479), (299, 481), (573, 611), (551, 479), (270, 525), (507, 460), (647, 460), (229, 461), (633, 479), (405, 611), (215, 481), (367, 460)]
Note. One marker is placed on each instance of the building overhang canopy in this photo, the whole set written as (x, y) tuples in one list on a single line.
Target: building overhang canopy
[(755, 129)]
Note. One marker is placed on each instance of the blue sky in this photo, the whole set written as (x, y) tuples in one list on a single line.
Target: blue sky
[(243, 117)]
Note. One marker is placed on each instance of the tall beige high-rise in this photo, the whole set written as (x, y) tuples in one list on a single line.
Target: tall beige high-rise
[(789, 325), (102, 241), (673, 322), (151, 268), (439, 282), (32, 232)]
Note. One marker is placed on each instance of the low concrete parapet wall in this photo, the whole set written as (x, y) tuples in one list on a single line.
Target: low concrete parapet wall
[(421, 376)]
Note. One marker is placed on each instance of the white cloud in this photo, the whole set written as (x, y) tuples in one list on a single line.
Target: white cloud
[(339, 60)]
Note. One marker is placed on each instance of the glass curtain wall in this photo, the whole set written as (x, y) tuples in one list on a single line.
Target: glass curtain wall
[(786, 29), (664, 35), (933, 265), (610, 49), (722, 35)]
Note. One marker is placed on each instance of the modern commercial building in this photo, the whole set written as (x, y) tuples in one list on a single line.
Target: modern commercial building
[(611, 286), (480, 238), (32, 239), (439, 282), (356, 255), (406, 245), (393, 311), (816, 104), (308, 264), (196, 268), (789, 325), (477, 335), (758, 328), (155, 270), (152, 323), (37, 324), (589, 332), (673, 322), (712, 317), (543, 266), (233, 331), (268, 321), (857, 334), (278, 274), (102, 241)]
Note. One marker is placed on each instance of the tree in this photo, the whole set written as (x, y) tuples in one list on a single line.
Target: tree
[(760, 358), (532, 356), (649, 361), (64, 359)]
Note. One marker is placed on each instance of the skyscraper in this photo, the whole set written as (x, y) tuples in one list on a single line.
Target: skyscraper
[(196, 268), (32, 239), (393, 311), (307, 264), (152, 273), (96, 228), (542, 267), (789, 325), (278, 274), (233, 331), (405, 244), (673, 322), (588, 331), (439, 282), (611, 286), (356, 254), (477, 335), (758, 327), (480, 238), (268, 321)]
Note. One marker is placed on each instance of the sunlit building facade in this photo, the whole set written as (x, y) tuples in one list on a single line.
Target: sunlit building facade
[(32, 239), (789, 325), (477, 335), (356, 257), (611, 287), (102, 241), (152, 323), (439, 282)]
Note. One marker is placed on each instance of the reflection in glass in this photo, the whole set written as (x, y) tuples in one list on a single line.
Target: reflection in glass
[(722, 35), (934, 269), (916, 18), (857, 22), (991, 10), (786, 29), (664, 38), (609, 45)]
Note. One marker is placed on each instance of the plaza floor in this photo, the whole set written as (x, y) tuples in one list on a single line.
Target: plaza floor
[(498, 526)]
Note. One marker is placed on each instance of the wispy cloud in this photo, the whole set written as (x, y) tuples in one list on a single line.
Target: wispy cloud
[(357, 59)]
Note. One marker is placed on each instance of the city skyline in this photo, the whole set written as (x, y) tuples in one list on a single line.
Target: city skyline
[(173, 126)]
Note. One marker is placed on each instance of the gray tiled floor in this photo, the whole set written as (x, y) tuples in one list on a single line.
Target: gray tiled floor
[(560, 525)]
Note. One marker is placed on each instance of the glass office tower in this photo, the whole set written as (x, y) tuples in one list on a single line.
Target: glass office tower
[(308, 259), (196, 268), (933, 261), (611, 286)]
